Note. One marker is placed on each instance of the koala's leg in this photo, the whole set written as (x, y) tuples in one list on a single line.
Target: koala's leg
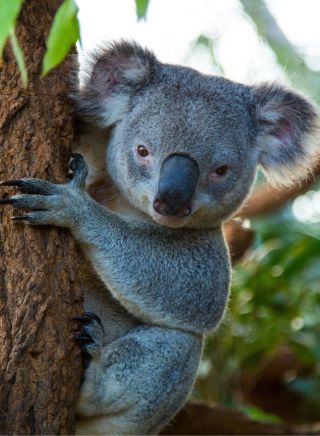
[(136, 384)]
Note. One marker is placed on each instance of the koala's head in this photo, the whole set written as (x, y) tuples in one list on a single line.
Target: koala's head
[(185, 146)]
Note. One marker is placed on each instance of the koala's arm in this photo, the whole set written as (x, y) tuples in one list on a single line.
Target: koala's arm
[(178, 279), (174, 278)]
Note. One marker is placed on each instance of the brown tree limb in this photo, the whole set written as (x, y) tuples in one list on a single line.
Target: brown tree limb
[(267, 199), (39, 287), (198, 418), (239, 239)]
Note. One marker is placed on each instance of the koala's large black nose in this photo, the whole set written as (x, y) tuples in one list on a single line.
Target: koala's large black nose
[(177, 183)]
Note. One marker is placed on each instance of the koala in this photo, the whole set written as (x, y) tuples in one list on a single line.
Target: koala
[(178, 152)]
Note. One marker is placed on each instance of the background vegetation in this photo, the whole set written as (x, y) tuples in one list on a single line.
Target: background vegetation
[(265, 358)]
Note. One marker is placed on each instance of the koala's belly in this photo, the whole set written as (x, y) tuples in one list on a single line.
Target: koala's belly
[(98, 299)]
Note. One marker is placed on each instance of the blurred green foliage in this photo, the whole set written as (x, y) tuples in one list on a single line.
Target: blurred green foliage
[(259, 415), (141, 8), (275, 303), (9, 10)]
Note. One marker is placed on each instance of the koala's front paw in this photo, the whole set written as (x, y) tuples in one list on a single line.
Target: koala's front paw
[(91, 335), (51, 203)]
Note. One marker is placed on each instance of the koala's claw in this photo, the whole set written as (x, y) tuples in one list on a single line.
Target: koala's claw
[(8, 200), (21, 218), (33, 186), (84, 339), (77, 162), (91, 334), (12, 182), (50, 203), (89, 317), (78, 170)]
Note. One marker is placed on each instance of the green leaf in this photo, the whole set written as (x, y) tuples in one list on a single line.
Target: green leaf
[(20, 58), (260, 415), (63, 35), (141, 8), (9, 10)]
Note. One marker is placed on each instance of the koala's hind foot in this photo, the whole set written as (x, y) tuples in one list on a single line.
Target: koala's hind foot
[(90, 338), (139, 383)]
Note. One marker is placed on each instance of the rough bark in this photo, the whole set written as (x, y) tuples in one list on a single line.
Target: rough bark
[(39, 289)]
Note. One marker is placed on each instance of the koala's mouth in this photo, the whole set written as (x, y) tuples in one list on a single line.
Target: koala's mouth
[(169, 221)]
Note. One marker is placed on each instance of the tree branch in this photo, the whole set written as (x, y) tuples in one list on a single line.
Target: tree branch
[(199, 418), (239, 239), (267, 199)]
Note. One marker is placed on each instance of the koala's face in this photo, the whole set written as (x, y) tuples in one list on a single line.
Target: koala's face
[(181, 155), (185, 147)]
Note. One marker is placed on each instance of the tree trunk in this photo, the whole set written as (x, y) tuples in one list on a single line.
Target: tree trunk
[(39, 286)]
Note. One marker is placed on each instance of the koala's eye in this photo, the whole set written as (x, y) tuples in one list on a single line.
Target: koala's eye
[(142, 151), (221, 171)]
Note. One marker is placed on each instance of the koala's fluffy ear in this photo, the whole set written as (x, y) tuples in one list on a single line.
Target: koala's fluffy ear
[(287, 128), (112, 75)]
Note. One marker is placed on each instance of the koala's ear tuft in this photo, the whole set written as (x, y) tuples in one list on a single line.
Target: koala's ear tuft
[(112, 75), (288, 135)]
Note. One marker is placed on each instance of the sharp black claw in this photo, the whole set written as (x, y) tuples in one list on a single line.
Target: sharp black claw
[(21, 218), (83, 319), (84, 339), (76, 156), (87, 318), (7, 201), (75, 160), (95, 317), (12, 182)]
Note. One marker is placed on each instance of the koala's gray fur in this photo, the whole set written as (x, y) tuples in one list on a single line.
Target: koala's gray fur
[(163, 276)]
